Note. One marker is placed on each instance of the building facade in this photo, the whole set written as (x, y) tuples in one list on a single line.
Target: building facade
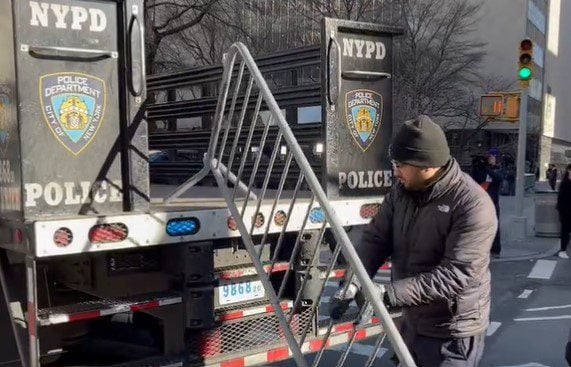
[(556, 132)]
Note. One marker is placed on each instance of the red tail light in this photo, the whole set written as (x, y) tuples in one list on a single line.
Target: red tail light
[(232, 225), (259, 220), (63, 237), (369, 210), (280, 218), (108, 233)]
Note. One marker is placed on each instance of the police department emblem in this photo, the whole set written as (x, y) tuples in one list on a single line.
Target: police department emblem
[(73, 106), (364, 110)]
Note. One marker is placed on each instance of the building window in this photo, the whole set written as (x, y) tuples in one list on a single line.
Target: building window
[(536, 16)]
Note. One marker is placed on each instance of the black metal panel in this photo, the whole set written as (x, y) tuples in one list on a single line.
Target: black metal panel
[(134, 124), (198, 263), (357, 107), (277, 61), (10, 171), (71, 63), (199, 306)]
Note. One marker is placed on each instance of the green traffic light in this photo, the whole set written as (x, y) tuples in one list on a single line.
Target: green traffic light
[(524, 73)]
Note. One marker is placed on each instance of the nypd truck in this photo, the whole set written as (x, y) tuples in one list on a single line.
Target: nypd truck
[(218, 244)]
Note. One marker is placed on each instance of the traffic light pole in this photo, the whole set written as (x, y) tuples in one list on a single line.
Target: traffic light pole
[(519, 227)]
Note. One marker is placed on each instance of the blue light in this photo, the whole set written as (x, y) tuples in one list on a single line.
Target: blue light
[(316, 215), (183, 226)]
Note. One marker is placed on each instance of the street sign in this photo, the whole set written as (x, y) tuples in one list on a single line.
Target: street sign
[(501, 106)]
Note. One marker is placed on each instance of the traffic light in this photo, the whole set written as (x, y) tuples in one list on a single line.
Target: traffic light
[(525, 64)]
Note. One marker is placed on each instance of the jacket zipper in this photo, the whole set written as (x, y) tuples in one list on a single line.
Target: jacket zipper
[(409, 225)]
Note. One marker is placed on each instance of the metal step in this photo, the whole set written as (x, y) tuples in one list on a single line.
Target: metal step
[(160, 361), (340, 273), (256, 308), (242, 336), (98, 308), (233, 272), (340, 334)]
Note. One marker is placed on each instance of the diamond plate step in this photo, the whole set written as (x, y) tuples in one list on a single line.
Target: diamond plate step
[(98, 308), (234, 313), (233, 272)]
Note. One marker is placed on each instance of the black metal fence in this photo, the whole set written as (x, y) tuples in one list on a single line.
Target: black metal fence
[(190, 97)]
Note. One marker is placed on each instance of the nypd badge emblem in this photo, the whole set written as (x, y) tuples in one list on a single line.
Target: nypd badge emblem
[(364, 111), (73, 106)]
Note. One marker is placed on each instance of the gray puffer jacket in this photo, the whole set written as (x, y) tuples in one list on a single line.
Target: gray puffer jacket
[(439, 242)]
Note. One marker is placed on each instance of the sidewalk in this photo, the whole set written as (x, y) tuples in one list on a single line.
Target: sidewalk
[(533, 247)]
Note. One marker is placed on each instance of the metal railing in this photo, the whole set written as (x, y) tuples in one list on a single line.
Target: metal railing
[(227, 157)]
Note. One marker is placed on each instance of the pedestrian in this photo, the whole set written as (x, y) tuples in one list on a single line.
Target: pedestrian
[(437, 225), (479, 171), (564, 209), (568, 349), (488, 174), (494, 178), (510, 177), (552, 176)]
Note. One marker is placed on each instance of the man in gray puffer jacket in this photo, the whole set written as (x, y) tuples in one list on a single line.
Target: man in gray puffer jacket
[(437, 226)]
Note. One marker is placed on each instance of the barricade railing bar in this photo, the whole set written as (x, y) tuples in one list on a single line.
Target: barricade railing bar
[(226, 158)]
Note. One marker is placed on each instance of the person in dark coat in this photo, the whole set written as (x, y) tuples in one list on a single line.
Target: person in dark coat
[(494, 178), (552, 176), (564, 209), (437, 225), (489, 176)]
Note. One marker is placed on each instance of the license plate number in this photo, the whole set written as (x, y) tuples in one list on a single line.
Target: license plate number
[(240, 292)]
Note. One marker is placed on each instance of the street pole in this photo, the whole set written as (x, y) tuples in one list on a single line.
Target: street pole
[(518, 229)]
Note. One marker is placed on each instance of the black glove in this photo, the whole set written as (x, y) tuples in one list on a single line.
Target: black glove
[(366, 308), (389, 298), (341, 300)]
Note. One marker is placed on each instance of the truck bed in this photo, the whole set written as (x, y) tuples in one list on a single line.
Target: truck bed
[(204, 205), (208, 197)]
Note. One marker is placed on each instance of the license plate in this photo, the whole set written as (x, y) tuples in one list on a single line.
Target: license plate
[(240, 292)]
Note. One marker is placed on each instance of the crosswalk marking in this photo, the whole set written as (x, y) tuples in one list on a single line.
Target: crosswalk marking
[(494, 326), (562, 317), (543, 269), (532, 364), (362, 349), (526, 293), (548, 308)]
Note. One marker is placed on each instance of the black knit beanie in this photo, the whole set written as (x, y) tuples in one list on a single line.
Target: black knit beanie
[(422, 143)]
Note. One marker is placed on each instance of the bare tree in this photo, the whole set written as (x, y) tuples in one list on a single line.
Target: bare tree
[(374, 11), (436, 60), (166, 18)]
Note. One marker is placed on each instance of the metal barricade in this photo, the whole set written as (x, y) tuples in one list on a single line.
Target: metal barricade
[(247, 108)]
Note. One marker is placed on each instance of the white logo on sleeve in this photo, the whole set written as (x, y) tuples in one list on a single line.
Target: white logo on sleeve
[(444, 208)]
